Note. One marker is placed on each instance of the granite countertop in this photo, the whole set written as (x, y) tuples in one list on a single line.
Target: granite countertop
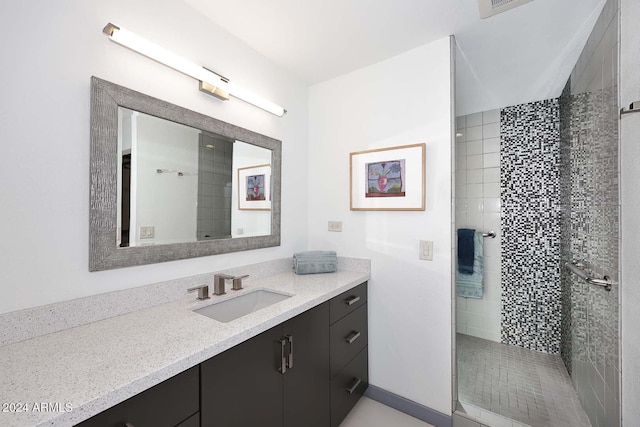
[(82, 371)]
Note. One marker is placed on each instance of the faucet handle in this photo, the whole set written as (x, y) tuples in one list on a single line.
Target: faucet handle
[(237, 282), (203, 291)]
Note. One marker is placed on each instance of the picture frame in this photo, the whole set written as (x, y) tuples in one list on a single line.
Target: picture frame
[(254, 188), (388, 179)]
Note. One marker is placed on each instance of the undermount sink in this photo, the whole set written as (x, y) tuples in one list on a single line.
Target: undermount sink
[(233, 308)]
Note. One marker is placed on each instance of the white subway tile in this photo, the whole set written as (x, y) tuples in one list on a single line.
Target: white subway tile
[(475, 162), (461, 177), (491, 160), (491, 145), (476, 205), (474, 191), (461, 135), (461, 204), (461, 219), (474, 176), (474, 147), (491, 116), (491, 175), (492, 222), (461, 122), (491, 130), (474, 219), (492, 247), (461, 149), (474, 133), (492, 204), (491, 189), (474, 119), (461, 162)]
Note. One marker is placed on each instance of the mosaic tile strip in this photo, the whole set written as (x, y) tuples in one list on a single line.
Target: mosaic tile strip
[(530, 199)]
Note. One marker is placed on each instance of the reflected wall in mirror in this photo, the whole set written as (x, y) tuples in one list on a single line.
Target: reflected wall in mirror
[(176, 183), (165, 182)]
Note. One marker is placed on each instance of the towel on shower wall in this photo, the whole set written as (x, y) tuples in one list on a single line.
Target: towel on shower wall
[(466, 248), (312, 262), (471, 285)]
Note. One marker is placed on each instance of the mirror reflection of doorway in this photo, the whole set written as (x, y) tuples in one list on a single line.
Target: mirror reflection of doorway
[(126, 200)]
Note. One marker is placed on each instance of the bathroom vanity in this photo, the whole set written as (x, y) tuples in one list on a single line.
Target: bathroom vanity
[(307, 371), (301, 361)]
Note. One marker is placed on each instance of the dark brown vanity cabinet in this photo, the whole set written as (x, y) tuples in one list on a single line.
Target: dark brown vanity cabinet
[(172, 403), (278, 378), (306, 372)]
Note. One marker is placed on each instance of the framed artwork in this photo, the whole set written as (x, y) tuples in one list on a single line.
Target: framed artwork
[(388, 179), (254, 188)]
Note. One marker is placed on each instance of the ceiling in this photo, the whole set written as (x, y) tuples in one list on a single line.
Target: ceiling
[(521, 55)]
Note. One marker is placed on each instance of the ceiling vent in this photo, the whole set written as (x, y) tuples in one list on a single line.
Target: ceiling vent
[(489, 8)]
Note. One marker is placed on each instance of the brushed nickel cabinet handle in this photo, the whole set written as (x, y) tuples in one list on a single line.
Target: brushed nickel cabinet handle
[(352, 300), (283, 358), (290, 357), (354, 386), (351, 338)]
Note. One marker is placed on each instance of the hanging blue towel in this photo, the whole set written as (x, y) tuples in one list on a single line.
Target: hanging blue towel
[(465, 250), (471, 285)]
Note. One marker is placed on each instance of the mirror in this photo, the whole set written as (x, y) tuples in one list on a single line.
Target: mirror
[(168, 183)]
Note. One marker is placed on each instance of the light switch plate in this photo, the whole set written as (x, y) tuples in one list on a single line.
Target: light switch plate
[(335, 226), (426, 250), (147, 232)]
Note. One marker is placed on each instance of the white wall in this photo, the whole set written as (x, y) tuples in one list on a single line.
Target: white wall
[(165, 201), (403, 100), (54, 49), (478, 206), (630, 201)]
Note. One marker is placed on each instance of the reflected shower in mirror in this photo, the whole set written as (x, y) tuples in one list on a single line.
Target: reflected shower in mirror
[(178, 184)]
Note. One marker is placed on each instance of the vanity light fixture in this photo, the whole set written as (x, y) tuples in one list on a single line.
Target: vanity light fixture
[(210, 82)]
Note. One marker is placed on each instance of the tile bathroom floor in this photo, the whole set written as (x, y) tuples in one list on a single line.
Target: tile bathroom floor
[(369, 413), (527, 386)]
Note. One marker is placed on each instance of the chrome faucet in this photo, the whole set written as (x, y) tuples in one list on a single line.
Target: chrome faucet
[(219, 281)]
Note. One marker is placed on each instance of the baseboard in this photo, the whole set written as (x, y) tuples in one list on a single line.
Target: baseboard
[(409, 407)]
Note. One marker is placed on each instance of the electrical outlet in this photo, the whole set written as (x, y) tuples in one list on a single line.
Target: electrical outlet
[(147, 232), (335, 226), (426, 250)]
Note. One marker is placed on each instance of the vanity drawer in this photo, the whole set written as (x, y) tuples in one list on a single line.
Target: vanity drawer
[(346, 302), (348, 386), (348, 337), (171, 403)]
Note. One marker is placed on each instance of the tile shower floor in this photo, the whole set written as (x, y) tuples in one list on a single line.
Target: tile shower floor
[(527, 386)]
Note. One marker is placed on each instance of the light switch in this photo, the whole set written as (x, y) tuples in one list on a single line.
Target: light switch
[(335, 226), (147, 232), (426, 250)]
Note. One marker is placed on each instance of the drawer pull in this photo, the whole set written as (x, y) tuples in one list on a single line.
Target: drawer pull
[(352, 300), (290, 357), (283, 358), (351, 338), (354, 386)]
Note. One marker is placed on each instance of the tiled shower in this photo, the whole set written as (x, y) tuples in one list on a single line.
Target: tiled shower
[(558, 203)]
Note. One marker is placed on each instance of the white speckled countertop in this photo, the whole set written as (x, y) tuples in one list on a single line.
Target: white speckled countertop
[(96, 366)]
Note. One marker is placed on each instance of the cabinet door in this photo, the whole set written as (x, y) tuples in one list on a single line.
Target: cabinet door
[(164, 405), (242, 386), (307, 398)]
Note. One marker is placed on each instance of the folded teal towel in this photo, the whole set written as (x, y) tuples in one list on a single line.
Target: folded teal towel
[(471, 285), (312, 262)]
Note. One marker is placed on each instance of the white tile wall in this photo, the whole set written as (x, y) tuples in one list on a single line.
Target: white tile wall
[(477, 178)]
